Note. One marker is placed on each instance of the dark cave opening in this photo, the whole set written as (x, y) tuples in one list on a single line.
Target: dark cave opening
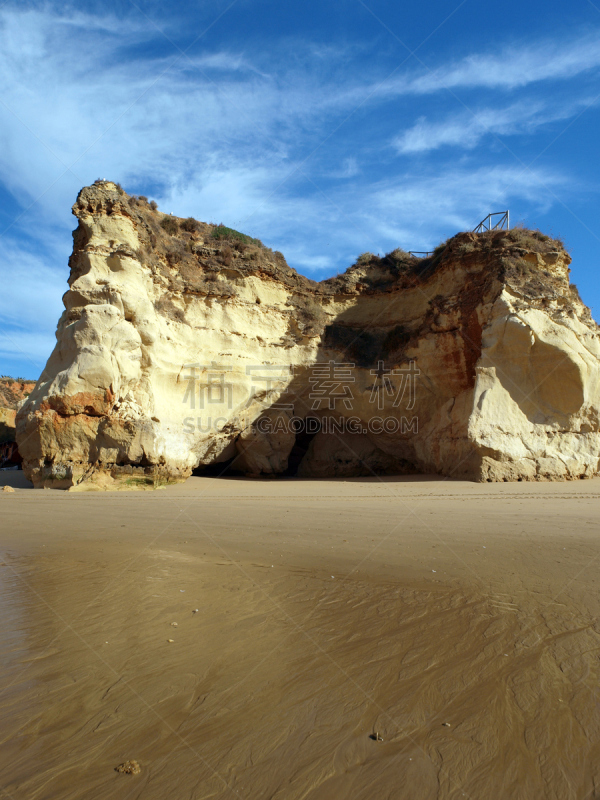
[(311, 427), (229, 468)]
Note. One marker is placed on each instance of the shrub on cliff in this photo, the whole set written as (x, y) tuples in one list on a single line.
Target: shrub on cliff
[(231, 235), (398, 254), (439, 249), (173, 257), (169, 224), (226, 256), (533, 240), (308, 314), (190, 225)]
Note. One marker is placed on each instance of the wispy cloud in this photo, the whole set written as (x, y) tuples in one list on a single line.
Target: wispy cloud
[(180, 123), (513, 67), (30, 304), (234, 135), (458, 197), (467, 128), (24, 353), (18, 303)]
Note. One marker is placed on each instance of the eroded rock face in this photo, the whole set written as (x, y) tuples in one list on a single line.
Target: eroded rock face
[(184, 344), (12, 394)]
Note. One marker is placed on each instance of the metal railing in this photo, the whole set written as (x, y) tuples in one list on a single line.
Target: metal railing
[(486, 223), (496, 221)]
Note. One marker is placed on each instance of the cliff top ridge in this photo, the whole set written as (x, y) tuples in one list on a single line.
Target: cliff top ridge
[(202, 258)]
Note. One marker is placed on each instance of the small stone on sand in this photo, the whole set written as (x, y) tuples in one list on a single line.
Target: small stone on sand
[(170, 640), (173, 624), (7, 489), (129, 768)]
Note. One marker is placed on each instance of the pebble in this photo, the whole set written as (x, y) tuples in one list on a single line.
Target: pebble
[(194, 611), (173, 624), (129, 768), (7, 489), (170, 640), (446, 724)]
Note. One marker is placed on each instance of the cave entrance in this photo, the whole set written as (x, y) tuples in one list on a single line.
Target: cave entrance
[(229, 469), (221, 469), (312, 426)]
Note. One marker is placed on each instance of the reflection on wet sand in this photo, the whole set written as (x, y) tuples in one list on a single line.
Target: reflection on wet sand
[(345, 649)]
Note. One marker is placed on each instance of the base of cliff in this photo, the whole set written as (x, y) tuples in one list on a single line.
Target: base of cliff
[(77, 477)]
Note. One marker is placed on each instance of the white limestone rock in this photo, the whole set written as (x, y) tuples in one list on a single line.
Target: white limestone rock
[(183, 344)]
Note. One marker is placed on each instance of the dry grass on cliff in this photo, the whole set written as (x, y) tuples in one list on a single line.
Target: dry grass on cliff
[(211, 259), (308, 315), (503, 253), (192, 255)]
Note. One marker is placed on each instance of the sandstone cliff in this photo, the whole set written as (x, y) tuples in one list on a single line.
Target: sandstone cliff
[(12, 394), (186, 345)]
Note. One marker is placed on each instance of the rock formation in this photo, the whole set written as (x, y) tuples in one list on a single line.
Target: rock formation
[(185, 345), (12, 395)]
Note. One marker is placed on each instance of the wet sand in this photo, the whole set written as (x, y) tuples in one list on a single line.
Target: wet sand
[(457, 622)]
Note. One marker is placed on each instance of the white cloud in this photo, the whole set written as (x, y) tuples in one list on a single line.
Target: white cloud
[(30, 306), (513, 67), (35, 299), (24, 353), (223, 136), (467, 128), (88, 110), (64, 105), (457, 199)]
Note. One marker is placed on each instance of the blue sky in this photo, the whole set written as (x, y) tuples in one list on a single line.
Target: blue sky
[(323, 128)]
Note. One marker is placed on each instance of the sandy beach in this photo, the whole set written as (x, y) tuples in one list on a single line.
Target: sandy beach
[(369, 638)]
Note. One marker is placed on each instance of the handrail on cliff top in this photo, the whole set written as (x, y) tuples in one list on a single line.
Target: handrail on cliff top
[(486, 223)]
